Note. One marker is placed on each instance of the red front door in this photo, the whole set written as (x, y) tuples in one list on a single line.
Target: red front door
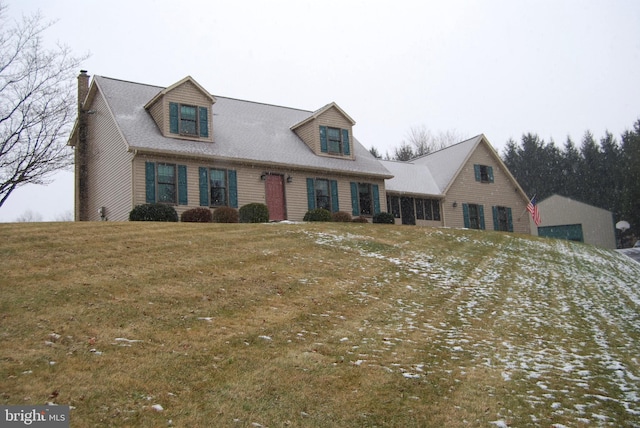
[(274, 191)]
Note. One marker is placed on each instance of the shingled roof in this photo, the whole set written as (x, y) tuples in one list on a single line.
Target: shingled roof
[(410, 178), (445, 164), (430, 174), (243, 131)]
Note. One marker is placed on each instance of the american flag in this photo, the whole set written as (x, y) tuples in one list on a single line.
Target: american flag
[(532, 207)]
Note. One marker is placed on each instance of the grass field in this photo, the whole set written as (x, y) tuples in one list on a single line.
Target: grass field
[(316, 325)]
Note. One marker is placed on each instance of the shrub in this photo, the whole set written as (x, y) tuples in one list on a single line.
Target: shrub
[(385, 218), (341, 216), (153, 212), (360, 219), (197, 215), (254, 213), (318, 214), (225, 215)]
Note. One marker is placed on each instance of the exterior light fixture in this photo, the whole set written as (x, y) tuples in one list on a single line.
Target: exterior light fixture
[(455, 204), (289, 179), (263, 176)]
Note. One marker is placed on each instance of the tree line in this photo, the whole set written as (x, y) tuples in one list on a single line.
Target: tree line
[(604, 173)]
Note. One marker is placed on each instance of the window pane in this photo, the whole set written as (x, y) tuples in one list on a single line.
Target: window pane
[(364, 191), (188, 112), (436, 209), (484, 173), (474, 220), (188, 127), (393, 206), (188, 120), (333, 133), (323, 199), (420, 209), (166, 173), (334, 140), (503, 219), (218, 184), (166, 193), (218, 196), (166, 183), (218, 178)]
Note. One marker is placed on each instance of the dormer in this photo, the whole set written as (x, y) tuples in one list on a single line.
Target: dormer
[(328, 132), (183, 110)]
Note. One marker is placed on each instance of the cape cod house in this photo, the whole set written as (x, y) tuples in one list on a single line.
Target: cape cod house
[(136, 143), (463, 185)]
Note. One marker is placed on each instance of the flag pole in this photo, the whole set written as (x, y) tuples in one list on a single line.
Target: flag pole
[(525, 208)]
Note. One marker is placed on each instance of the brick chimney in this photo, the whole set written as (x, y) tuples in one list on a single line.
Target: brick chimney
[(83, 88), (81, 173)]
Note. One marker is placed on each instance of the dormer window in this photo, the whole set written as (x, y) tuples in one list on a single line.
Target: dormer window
[(189, 120), (334, 141)]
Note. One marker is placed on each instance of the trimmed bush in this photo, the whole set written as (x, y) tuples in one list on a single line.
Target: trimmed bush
[(360, 219), (153, 212), (197, 215), (385, 218), (254, 213), (341, 217), (319, 214), (225, 215)]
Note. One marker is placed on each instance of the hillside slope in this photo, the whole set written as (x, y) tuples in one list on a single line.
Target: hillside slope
[(317, 325)]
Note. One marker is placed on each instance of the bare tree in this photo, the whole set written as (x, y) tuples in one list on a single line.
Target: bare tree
[(37, 105), (29, 217), (420, 138), (424, 142), (64, 216)]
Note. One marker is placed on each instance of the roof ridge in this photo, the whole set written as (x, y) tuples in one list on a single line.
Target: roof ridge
[(408, 162), (128, 81), (216, 96), (448, 147), (263, 103)]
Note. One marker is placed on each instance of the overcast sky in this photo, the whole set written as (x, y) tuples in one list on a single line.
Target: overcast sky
[(500, 68)]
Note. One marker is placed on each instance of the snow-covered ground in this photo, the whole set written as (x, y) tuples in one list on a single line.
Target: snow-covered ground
[(562, 326), (633, 253)]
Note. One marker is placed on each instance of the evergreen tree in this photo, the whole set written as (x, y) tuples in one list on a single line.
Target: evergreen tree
[(403, 153), (630, 170), (510, 157), (589, 190), (535, 165), (611, 176), (376, 154), (570, 170), (605, 175)]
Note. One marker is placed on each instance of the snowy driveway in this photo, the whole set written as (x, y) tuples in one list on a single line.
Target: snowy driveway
[(634, 253)]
